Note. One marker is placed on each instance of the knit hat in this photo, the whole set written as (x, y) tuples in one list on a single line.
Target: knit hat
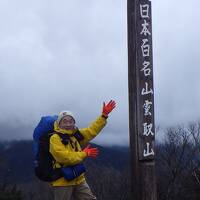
[(63, 114)]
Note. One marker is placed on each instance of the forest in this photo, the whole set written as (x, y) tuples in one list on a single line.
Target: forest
[(177, 169)]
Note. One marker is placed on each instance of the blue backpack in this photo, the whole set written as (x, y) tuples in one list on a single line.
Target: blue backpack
[(45, 126), (44, 161)]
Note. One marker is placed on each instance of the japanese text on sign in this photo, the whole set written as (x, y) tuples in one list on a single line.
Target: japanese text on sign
[(146, 83)]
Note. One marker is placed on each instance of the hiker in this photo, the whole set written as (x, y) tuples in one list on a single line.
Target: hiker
[(72, 154)]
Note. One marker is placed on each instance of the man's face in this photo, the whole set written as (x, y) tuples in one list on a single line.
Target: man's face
[(67, 123)]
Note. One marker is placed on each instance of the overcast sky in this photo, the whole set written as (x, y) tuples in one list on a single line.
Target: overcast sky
[(72, 55)]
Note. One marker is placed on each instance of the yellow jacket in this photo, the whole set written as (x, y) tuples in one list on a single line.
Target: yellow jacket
[(71, 153)]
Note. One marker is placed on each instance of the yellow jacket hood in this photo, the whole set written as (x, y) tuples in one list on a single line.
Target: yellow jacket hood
[(58, 129)]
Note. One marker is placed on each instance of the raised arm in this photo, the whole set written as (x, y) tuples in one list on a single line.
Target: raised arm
[(95, 127)]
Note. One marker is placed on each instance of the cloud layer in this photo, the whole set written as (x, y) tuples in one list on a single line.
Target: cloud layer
[(73, 55)]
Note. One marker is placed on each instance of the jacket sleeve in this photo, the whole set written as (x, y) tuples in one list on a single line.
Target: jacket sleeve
[(62, 154), (92, 130)]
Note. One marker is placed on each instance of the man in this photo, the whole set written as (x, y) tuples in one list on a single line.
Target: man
[(72, 153)]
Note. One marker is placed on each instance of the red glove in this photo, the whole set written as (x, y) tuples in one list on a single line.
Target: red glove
[(107, 108), (91, 152)]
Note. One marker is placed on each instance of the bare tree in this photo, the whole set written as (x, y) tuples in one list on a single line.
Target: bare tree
[(108, 183), (178, 162)]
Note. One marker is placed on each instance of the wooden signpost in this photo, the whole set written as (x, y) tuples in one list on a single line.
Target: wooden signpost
[(141, 100)]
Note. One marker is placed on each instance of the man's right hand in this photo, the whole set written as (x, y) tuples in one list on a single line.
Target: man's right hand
[(91, 152), (107, 108)]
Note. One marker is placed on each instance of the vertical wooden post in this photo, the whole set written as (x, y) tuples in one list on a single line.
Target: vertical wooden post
[(141, 100)]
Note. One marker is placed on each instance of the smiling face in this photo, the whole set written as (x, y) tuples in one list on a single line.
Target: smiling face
[(67, 123)]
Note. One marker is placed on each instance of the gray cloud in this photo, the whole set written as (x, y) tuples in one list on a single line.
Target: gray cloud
[(176, 61), (73, 55), (61, 55)]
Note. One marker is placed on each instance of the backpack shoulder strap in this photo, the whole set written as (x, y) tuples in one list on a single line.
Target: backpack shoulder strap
[(65, 138), (78, 135)]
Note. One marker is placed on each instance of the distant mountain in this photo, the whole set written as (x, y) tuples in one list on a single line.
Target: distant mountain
[(16, 160)]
